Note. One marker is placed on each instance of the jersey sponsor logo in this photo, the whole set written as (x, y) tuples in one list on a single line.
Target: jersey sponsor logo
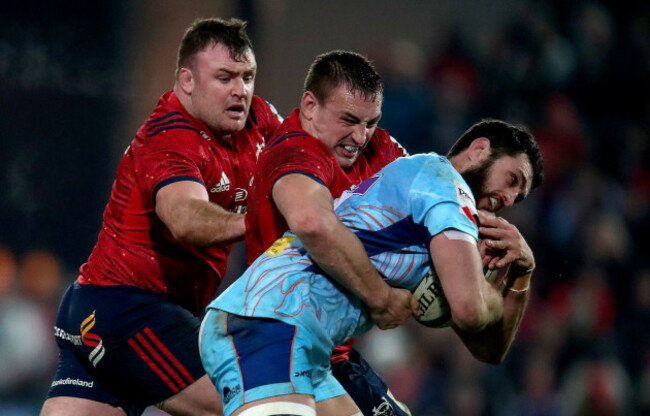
[(466, 201), (92, 340), (74, 382), (239, 209), (278, 246), (240, 194), (60, 333), (304, 373), (223, 185), (229, 393)]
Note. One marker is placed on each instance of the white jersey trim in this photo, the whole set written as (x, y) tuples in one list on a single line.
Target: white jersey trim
[(459, 235)]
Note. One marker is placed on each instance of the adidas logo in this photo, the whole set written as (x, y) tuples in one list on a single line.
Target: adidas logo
[(223, 185)]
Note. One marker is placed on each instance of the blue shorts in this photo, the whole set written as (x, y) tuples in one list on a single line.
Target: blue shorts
[(250, 359), (124, 346)]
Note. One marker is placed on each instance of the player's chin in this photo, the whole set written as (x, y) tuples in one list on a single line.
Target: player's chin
[(484, 204), (233, 125), (346, 161)]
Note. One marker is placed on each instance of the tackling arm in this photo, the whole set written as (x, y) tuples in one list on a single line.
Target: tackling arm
[(185, 209), (308, 209)]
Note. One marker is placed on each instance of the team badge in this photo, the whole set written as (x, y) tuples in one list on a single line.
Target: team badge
[(92, 340)]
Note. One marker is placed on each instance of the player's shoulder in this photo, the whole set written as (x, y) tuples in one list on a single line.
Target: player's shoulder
[(426, 171), (383, 145), (425, 161), (168, 121), (262, 113), (447, 178), (292, 137)]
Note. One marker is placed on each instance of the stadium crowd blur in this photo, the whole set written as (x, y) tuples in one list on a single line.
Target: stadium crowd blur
[(578, 74)]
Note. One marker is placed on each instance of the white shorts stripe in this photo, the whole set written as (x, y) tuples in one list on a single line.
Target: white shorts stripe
[(279, 408)]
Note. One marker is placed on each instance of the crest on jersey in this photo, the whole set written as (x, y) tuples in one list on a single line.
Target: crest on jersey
[(260, 147)]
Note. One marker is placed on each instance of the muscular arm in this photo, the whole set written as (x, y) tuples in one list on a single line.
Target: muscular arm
[(185, 209), (308, 208), (475, 303), (492, 343), (511, 249)]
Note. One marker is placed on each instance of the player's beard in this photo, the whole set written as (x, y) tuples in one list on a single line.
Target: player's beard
[(476, 178)]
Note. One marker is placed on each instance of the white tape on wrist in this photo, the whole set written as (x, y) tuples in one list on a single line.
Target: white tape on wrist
[(279, 408)]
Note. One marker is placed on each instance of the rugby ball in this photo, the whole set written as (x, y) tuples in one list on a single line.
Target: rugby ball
[(432, 302)]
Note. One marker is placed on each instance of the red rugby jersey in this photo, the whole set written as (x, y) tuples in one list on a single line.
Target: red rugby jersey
[(292, 150), (134, 247)]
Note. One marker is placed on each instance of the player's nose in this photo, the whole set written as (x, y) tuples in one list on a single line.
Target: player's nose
[(360, 134), (509, 199), (239, 87)]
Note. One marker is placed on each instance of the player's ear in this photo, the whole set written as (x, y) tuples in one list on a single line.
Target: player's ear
[(479, 149), (186, 80), (308, 104)]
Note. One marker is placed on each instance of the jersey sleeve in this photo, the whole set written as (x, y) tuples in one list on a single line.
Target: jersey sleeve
[(166, 158), (441, 200), (388, 147), (298, 154)]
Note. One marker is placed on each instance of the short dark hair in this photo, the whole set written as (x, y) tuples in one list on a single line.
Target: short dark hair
[(505, 139), (203, 32), (331, 69)]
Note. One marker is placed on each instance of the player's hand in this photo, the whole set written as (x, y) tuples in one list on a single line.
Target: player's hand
[(399, 306), (501, 244)]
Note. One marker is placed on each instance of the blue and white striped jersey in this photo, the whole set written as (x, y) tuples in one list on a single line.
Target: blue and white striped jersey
[(394, 213)]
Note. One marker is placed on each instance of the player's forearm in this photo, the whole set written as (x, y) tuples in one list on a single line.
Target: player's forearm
[(342, 256), (493, 343), (479, 312), (204, 224)]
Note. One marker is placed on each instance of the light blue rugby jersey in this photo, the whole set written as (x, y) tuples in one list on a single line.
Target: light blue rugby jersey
[(395, 214)]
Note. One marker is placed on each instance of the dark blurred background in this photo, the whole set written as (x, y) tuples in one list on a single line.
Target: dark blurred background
[(77, 80)]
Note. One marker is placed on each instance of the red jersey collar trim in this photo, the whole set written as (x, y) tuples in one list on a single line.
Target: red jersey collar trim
[(173, 100), (294, 120)]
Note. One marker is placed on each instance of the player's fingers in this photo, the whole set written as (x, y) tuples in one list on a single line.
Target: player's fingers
[(486, 216), (497, 244), (507, 259), (415, 308), (493, 263), (497, 233)]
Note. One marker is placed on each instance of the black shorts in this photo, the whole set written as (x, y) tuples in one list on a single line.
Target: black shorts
[(124, 346), (366, 388)]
